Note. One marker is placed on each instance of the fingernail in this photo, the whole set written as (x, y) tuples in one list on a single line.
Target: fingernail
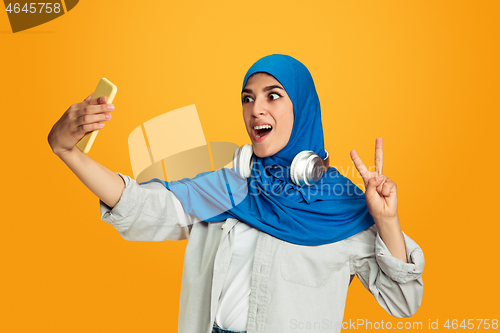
[(111, 107), (108, 116), (101, 125), (380, 178)]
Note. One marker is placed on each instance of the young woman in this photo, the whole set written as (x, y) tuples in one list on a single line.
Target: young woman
[(273, 242)]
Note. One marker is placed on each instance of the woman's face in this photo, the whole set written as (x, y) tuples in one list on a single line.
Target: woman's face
[(268, 114)]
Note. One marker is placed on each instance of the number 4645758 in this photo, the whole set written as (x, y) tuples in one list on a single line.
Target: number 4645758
[(48, 6), (472, 324)]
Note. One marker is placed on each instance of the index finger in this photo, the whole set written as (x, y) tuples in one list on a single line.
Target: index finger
[(89, 97), (379, 160), (363, 171), (92, 101)]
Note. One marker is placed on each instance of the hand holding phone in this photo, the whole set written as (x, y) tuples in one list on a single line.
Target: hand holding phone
[(104, 88), (78, 120)]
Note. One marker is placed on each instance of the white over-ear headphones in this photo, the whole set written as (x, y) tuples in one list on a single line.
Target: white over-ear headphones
[(307, 167)]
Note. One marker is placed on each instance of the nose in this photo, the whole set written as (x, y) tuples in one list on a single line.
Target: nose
[(259, 107)]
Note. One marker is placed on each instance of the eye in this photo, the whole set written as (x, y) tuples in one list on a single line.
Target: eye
[(274, 96), (246, 99)]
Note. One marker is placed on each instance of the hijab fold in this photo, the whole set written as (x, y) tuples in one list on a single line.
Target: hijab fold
[(327, 212)]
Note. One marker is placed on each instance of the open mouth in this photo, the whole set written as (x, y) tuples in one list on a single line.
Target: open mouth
[(261, 131)]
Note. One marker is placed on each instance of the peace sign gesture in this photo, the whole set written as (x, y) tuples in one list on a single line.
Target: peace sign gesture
[(380, 191)]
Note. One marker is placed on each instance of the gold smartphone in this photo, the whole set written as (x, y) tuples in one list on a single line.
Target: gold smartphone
[(104, 88)]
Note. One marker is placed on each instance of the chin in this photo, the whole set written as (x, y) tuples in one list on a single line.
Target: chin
[(261, 155), (263, 152)]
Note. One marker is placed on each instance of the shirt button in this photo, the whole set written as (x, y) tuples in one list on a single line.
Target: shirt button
[(223, 225)]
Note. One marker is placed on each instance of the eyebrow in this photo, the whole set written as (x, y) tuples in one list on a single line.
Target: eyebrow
[(265, 89)]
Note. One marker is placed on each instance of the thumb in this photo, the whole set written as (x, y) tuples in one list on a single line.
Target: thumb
[(371, 188)]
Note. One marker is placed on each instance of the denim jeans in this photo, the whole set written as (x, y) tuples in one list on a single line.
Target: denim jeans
[(217, 329)]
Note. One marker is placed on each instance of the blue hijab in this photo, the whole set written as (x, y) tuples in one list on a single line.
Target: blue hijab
[(327, 212)]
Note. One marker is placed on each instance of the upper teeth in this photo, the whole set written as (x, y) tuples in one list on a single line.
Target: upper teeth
[(262, 127)]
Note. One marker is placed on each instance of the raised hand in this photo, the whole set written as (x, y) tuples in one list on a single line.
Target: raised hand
[(79, 119), (380, 191)]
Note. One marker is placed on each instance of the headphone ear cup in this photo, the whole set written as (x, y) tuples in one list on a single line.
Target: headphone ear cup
[(295, 171), (306, 168), (236, 161), (243, 161), (292, 170)]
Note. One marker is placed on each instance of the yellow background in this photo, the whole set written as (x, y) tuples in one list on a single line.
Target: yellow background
[(424, 75)]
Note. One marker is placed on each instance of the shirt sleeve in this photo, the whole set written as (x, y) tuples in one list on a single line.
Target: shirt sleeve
[(397, 286), (148, 212)]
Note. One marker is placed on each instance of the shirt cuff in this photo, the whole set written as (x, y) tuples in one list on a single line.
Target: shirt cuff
[(396, 268), (123, 209)]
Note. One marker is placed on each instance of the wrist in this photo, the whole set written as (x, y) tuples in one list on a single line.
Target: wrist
[(387, 220), (389, 225), (391, 234), (65, 154)]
